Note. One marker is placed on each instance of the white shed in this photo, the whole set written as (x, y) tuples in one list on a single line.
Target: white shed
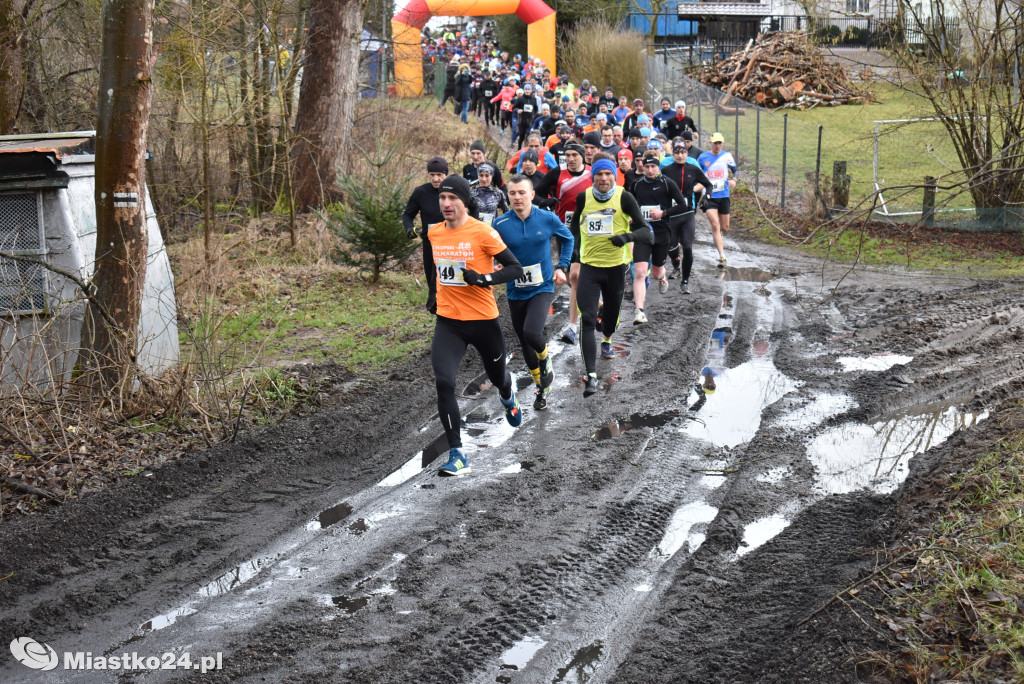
[(47, 211)]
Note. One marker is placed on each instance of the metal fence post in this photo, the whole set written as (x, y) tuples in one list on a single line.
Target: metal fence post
[(757, 153), (817, 172), (785, 136), (716, 100), (736, 128)]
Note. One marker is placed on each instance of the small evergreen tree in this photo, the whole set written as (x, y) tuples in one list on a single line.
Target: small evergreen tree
[(369, 222)]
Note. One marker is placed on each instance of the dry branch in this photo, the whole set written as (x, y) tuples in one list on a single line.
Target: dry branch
[(781, 70)]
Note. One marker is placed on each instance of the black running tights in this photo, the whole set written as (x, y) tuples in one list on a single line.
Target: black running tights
[(594, 284), (451, 339), (528, 319)]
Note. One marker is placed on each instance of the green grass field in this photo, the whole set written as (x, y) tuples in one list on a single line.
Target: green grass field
[(907, 152)]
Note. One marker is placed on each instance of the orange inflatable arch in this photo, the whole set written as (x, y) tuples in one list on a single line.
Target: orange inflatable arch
[(409, 22)]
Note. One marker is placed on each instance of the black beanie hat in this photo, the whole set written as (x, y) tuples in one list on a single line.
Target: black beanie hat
[(477, 145), (437, 165), (592, 138), (530, 155), (458, 186)]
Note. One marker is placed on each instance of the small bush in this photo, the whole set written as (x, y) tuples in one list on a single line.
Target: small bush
[(606, 55), (369, 223)]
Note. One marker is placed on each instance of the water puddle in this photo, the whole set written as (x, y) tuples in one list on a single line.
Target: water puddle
[(330, 516), (521, 652), (678, 532), (730, 401), (637, 420), (513, 469), (823, 407), (642, 588), (876, 362), (358, 526), (349, 604), (747, 274), (582, 666), (854, 456), (760, 532)]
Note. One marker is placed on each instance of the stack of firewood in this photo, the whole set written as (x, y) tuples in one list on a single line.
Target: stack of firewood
[(782, 70)]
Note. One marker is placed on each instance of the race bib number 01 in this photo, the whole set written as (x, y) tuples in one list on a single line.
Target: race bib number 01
[(532, 276), (598, 224), (449, 272), (646, 210)]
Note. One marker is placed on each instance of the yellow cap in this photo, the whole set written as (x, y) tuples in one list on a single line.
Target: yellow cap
[(717, 137)]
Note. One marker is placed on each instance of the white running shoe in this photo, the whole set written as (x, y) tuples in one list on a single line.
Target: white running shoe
[(640, 317)]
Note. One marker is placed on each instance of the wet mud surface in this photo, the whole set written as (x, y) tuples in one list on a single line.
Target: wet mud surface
[(751, 447)]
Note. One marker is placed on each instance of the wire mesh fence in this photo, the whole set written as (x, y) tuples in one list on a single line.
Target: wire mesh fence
[(803, 168), (778, 158)]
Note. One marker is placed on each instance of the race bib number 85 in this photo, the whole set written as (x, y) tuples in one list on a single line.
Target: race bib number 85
[(598, 224)]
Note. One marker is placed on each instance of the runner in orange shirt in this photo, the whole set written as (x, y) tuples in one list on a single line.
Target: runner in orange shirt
[(464, 251)]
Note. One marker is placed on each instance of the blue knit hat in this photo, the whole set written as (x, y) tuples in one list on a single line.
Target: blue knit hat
[(602, 165)]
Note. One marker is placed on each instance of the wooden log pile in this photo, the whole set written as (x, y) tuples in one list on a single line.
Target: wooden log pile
[(782, 70)]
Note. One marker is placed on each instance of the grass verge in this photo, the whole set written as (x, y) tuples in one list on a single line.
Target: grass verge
[(874, 243), (956, 605)]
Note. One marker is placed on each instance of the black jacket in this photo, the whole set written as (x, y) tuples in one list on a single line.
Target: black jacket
[(487, 89), (674, 126), (660, 192), (463, 86), (686, 176), (425, 201)]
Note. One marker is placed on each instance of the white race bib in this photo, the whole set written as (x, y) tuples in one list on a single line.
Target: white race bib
[(646, 210), (598, 224), (718, 180), (486, 218), (527, 108), (532, 276), (488, 93), (449, 272)]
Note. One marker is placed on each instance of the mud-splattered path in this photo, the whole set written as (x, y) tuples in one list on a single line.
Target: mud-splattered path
[(655, 532)]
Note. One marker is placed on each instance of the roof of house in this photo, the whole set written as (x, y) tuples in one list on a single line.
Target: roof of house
[(731, 9)]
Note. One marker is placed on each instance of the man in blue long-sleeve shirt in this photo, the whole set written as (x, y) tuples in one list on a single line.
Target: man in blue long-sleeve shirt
[(527, 231)]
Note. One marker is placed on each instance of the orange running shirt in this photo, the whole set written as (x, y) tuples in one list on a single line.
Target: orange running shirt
[(472, 246)]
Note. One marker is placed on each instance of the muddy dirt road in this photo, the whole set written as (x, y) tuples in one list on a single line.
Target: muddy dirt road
[(652, 533)]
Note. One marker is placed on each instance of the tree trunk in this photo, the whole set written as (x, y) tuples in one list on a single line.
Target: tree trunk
[(327, 100), (111, 327), (11, 26)]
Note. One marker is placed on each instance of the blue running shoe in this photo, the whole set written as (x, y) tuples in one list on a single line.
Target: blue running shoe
[(568, 335), (458, 463), (513, 414), (606, 350)]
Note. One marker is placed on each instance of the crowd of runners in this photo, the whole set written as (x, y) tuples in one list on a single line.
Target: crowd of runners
[(616, 187)]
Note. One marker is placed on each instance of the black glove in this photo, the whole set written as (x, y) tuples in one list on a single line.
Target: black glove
[(704, 202), (473, 278), (620, 240), (411, 232)]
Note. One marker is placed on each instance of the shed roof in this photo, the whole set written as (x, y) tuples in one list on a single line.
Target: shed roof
[(58, 144)]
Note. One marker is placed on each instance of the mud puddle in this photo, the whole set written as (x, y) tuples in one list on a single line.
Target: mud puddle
[(876, 457), (637, 420), (582, 666)]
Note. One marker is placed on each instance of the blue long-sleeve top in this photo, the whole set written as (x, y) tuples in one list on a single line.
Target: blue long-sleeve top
[(530, 242), (549, 161)]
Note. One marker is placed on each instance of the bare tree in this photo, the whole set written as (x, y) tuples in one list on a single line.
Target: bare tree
[(327, 100), (967, 64), (125, 96), (11, 26)]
